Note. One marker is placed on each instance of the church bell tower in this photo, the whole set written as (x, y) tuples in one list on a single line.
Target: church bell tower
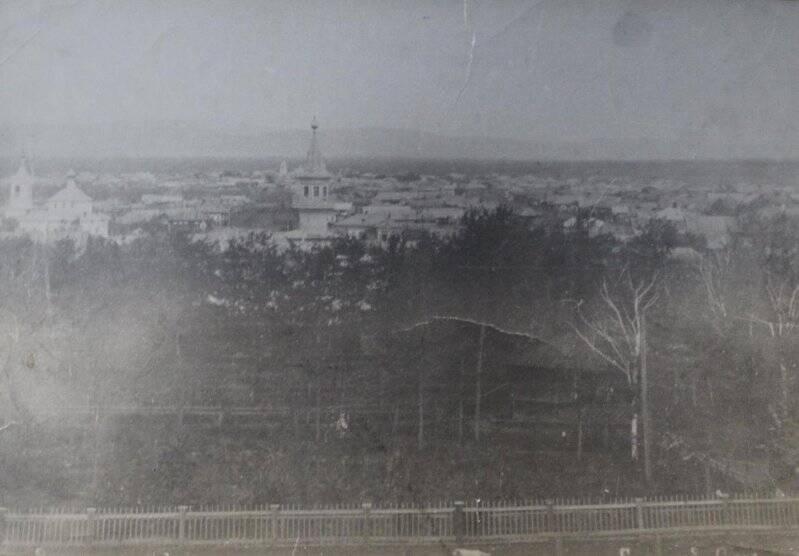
[(20, 194)]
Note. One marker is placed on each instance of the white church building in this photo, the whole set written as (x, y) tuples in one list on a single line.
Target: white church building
[(68, 213), (311, 187)]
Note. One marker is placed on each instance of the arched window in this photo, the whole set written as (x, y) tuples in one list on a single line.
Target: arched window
[(324, 191), (315, 190)]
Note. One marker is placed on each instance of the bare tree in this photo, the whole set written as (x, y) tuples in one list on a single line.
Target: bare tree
[(775, 313), (616, 331), (713, 271), (780, 320)]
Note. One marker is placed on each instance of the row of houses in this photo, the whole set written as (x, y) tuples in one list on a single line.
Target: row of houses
[(310, 205)]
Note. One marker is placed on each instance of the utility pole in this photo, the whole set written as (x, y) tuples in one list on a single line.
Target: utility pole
[(460, 400), (645, 405), (47, 292), (420, 398), (422, 300), (318, 404), (478, 388)]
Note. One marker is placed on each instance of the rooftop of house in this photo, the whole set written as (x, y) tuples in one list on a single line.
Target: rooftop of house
[(71, 193), (362, 220)]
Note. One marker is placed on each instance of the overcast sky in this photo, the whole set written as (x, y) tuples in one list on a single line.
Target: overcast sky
[(554, 70)]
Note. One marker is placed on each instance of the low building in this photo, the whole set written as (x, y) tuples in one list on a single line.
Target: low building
[(370, 227), (67, 214), (149, 199), (276, 217)]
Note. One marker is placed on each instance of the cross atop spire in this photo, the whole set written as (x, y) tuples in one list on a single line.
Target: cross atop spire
[(24, 165)]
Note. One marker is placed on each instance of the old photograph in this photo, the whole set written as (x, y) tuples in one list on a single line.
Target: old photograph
[(399, 277)]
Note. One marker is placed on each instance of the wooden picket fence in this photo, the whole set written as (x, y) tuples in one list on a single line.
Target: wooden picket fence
[(276, 525)]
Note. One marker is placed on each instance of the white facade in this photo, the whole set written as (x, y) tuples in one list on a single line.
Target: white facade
[(67, 214), (20, 192), (316, 222), (310, 186)]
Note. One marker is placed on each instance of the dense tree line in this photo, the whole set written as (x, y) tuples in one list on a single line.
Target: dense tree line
[(166, 321)]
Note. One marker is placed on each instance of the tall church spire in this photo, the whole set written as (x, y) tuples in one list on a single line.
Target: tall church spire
[(314, 163)]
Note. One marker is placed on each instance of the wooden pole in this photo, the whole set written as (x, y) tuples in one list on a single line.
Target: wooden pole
[(639, 513), (478, 388), (420, 408), (422, 288), (96, 452), (318, 408), (458, 522), (276, 529), (91, 514), (395, 422), (645, 418), (47, 288), (182, 523), (461, 393), (366, 507)]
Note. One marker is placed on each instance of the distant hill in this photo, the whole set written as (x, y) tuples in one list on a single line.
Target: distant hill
[(178, 139), (181, 139)]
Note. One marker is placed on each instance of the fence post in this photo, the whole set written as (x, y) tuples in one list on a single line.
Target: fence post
[(639, 512), (92, 525), (553, 526), (275, 521), (551, 516), (458, 523), (182, 523), (726, 514), (367, 521)]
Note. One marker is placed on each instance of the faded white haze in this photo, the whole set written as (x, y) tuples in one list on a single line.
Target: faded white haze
[(658, 78)]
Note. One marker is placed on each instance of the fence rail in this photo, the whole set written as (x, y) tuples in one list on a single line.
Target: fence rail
[(367, 524)]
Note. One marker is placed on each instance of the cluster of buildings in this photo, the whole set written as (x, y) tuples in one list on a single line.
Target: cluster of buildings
[(68, 213), (311, 205)]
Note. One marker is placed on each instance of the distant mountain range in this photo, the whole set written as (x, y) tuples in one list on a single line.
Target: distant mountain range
[(188, 140)]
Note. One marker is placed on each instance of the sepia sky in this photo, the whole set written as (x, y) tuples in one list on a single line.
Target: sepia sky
[(542, 70)]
